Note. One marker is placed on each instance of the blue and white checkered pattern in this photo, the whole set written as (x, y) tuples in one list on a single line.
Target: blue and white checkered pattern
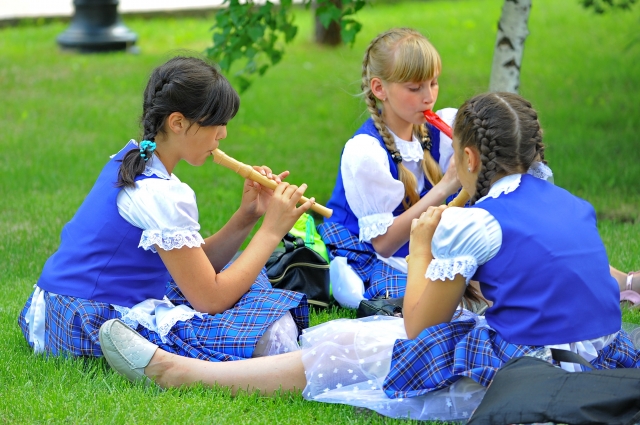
[(380, 279), (72, 324), (444, 353)]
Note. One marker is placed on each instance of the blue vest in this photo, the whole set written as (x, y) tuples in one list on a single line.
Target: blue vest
[(98, 258), (550, 281), (342, 212)]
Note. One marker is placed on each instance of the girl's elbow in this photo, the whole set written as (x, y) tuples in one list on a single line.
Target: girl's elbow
[(411, 333), (382, 250), (210, 306), (410, 328)]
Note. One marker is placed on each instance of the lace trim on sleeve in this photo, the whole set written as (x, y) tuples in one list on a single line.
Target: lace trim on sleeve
[(374, 225), (448, 268), (170, 239)]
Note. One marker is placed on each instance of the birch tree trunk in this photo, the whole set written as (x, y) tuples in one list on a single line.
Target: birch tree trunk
[(507, 56)]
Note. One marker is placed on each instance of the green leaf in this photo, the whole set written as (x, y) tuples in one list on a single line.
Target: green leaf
[(328, 13), (349, 29), (263, 69), (255, 32)]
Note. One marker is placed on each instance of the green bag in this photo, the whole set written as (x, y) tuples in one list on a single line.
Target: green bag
[(305, 228)]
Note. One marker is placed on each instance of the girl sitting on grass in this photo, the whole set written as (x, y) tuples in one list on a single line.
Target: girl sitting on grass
[(391, 170), (133, 250), (545, 273)]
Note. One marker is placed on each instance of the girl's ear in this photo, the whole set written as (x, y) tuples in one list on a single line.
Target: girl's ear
[(377, 88), (472, 157), (177, 123)]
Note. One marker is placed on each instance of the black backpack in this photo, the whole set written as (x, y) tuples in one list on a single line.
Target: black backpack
[(530, 390), (297, 267)]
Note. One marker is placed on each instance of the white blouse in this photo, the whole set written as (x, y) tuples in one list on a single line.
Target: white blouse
[(165, 208), (469, 237), (370, 189)]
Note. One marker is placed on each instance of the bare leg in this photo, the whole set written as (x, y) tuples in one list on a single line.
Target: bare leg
[(265, 374)]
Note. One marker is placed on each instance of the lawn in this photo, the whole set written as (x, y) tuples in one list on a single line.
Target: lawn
[(63, 114)]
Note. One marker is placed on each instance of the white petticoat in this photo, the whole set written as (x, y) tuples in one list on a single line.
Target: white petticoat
[(347, 360)]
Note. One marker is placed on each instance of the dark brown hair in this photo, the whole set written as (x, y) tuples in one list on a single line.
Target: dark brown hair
[(188, 85), (505, 129)]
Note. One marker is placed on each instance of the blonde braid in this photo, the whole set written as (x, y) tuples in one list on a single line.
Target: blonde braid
[(405, 176), (430, 166)]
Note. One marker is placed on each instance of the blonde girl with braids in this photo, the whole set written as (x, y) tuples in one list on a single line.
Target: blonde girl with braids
[(134, 251), (532, 245), (391, 170)]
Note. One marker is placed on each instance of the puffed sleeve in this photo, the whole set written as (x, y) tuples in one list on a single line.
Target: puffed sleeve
[(165, 210), (370, 189), (464, 239)]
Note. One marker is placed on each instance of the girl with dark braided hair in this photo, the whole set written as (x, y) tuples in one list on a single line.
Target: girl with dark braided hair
[(533, 246), (133, 250), (391, 170)]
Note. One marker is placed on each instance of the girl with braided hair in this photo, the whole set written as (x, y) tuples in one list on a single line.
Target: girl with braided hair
[(391, 170), (134, 251), (531, 244)]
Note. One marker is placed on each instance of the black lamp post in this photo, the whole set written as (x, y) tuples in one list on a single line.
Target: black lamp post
[(97, 27)]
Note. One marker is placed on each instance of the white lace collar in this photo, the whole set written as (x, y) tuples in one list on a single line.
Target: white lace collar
[(505, 185), (410, 151), (511, 182), (541, 171), (157, 168)]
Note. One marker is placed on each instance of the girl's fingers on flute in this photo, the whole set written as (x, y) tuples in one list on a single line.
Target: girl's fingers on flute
[(280, 189), (295, 192), (306, 206), (283, 175), (265, 171)]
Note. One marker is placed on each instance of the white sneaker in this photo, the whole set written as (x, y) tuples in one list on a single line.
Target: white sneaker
[(126, 350)]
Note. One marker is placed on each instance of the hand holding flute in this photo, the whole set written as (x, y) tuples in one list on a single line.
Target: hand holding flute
[(246, 171)]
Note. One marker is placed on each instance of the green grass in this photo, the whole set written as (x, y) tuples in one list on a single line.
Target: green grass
[(62, 114)]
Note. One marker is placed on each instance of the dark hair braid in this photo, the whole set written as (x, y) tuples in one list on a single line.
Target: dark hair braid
[(188, 85), (505, 130), (537, 137)]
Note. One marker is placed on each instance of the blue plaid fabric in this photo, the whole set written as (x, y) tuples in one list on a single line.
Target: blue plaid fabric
[(380, 279), (444, 353), (72, 324)]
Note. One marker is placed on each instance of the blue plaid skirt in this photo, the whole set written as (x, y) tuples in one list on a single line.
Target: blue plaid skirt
[(444, 353), (380, 279), (72, 324)]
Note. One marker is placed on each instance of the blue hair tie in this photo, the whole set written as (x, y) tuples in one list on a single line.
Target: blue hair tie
[(147, 145)]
